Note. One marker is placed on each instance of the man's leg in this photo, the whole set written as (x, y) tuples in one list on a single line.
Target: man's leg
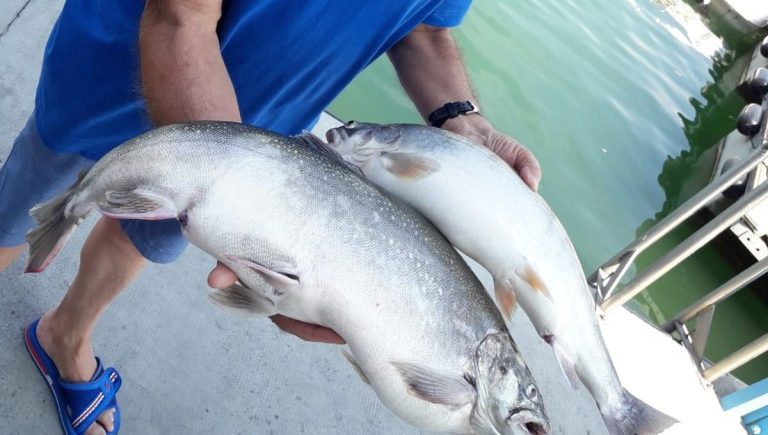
[(9, 255), (108, 264), (111, 258)]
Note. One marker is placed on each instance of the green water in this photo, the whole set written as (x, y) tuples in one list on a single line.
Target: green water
[(611, 96)]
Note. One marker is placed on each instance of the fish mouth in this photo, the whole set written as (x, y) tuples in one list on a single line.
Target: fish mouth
[(527, 421)]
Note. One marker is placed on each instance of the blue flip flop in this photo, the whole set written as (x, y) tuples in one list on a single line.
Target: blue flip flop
[(78, 404)]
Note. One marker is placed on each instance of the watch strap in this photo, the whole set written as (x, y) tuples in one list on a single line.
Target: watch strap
[(449, 111)]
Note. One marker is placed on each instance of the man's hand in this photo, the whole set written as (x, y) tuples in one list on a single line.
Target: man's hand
[(431, 72), (222, 277), (478, 129)]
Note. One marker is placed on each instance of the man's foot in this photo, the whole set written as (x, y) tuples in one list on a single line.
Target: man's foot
[(75, 362)]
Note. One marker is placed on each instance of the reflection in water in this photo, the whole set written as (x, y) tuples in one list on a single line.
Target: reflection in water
[(715, 116), (742, 318), (715, 109), (692, 30)]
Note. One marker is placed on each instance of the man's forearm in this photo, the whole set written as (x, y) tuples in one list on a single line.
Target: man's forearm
[(430, 69), (183, 76)]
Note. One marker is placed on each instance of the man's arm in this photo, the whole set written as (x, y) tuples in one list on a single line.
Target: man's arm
[(182, 73), (429, 66), (184, 78)]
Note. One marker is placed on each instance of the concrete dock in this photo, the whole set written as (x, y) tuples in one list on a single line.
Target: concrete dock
[(190, 368)]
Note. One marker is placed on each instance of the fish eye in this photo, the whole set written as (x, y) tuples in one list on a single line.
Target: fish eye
[(531, 392), (503, 369), (351, 124)]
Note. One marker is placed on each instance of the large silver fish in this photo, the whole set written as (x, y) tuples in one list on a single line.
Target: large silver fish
[(312, 240), (480, 204)]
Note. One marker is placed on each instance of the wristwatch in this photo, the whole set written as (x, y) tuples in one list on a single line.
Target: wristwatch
[(449, 111)]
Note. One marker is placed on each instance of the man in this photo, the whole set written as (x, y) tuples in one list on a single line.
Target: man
[(275, 64)]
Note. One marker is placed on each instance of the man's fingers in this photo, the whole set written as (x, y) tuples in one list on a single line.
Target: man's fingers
[(528, 178), (518, 157), (307, 331), (221, 277), (528, 168)]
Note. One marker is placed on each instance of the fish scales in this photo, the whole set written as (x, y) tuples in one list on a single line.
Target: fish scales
[(310, 239)]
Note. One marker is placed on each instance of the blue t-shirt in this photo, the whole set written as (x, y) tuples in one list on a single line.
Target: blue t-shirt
[(288, 59)]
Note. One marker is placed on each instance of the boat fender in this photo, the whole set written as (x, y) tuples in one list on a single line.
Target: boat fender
[(748, 122), (759, 82)]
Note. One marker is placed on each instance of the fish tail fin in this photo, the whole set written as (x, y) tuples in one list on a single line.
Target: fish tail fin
[(53, 229), (243, 301), (635, 417)]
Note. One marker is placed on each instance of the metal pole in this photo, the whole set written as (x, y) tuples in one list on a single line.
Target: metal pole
[(737, 359), (732, 286), (685, 339), (704, 197), (701, 334), (605, 289), (687, 247)]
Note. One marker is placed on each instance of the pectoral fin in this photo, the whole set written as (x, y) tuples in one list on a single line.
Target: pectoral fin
[(432, 386), (505, 298), (137, 204), (244, 301), (565, 362), (282, 278), (532, 278), (356, 366), (408, 166)]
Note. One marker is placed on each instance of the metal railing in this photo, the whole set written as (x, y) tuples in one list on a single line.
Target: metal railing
[(605, 280)]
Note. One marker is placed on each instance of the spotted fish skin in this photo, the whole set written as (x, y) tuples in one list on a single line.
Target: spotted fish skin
[(312, 240)]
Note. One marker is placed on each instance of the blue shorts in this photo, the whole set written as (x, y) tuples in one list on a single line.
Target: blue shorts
[(33, 173)]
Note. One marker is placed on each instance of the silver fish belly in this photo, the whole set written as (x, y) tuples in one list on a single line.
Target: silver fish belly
[(311, 240), (486, 211)]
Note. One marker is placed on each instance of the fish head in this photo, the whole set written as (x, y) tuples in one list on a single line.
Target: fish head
[(382, 153), (361, 142), (508, 400)]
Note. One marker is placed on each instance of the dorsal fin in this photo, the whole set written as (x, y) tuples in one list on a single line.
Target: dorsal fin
[(319, 145)]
